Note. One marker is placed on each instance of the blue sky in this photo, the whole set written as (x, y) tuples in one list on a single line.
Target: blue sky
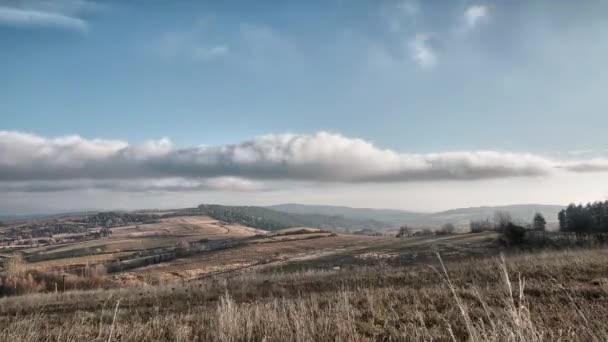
[(413, 77)]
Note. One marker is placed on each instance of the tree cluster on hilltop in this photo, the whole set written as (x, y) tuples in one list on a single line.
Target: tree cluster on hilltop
[(584, 219), (116, 219)]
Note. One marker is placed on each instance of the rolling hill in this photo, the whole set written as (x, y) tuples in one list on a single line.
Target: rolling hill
[(395, 218), (270, 219)]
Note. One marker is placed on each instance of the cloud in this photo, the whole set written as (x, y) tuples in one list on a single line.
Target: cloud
[(33, 18), (263, 47), (175, 184), (421, 50), (210, 52), (36, 163), (591, 165), (65, 14), (580, 152), (474, 15), (189, 45), (400, 14)]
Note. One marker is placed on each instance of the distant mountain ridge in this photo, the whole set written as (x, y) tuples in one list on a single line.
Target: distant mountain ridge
[(395, 217), (390, 216), (271, 219), (340, 218)]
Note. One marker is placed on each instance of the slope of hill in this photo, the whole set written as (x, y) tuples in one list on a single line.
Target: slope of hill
[(269, 219), (390, 216), (519, 212), (395, 218)]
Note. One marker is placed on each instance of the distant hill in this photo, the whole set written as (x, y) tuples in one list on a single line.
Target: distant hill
[(269, 219), (395, 218), (391, 216), (519, 212)]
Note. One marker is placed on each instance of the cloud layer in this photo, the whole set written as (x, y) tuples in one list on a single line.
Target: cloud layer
[(591, 165), (33, 163)]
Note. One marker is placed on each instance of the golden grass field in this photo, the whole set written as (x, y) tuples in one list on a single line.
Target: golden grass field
[(546, 296), (301, 284), (299, 247)]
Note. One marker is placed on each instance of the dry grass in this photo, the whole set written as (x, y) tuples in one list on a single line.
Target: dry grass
[(530, 297), (261, 252), (18, 278)]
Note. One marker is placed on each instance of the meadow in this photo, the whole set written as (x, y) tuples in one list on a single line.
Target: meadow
[(195, 278), (558, 295)]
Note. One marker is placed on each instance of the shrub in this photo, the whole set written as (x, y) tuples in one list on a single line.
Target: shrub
[(446, 229), (478, 226), (513, 234), (403, 231)]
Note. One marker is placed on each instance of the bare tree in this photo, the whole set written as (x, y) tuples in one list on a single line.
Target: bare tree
[(502, 220), (478, 226), (447, 229), (403, 231), (539, 222)]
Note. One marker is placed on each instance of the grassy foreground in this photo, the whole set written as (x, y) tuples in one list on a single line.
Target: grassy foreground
[(548, 296)]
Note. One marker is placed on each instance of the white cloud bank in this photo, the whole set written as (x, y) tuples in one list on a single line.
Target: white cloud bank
[(33, 163)]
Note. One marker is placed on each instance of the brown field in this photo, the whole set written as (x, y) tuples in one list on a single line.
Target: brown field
[(195, 278), (261, 252), (250, 249), (528, 297), (288, 249), (312, 251), (127, 240), (288, 231), (186, 226)]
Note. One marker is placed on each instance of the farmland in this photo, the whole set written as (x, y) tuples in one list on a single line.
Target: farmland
[(529, 297), (181, 276), (188, 247)]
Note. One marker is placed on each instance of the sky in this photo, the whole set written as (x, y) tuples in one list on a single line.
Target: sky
[(416, 105)]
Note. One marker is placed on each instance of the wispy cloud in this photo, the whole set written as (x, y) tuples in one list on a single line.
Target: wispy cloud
[(474, 15), (264, 47), (590, 165), (422, 51), (400, 14), (258, 46), (66, 14), (580, 152), (210, 52), (189, 45), (33, 18), (167, 184)]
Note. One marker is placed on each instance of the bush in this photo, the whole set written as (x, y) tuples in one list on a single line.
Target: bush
[(17, 279), (478, 226), (446, 229), (403, 231), (423, 232), (513, 234)]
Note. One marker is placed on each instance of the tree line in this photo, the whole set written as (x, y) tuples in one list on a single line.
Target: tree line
[(584, 219)]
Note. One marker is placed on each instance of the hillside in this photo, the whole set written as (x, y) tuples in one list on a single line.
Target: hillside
[(390, 216), (395, 218), (519, 212), (269, 219)]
